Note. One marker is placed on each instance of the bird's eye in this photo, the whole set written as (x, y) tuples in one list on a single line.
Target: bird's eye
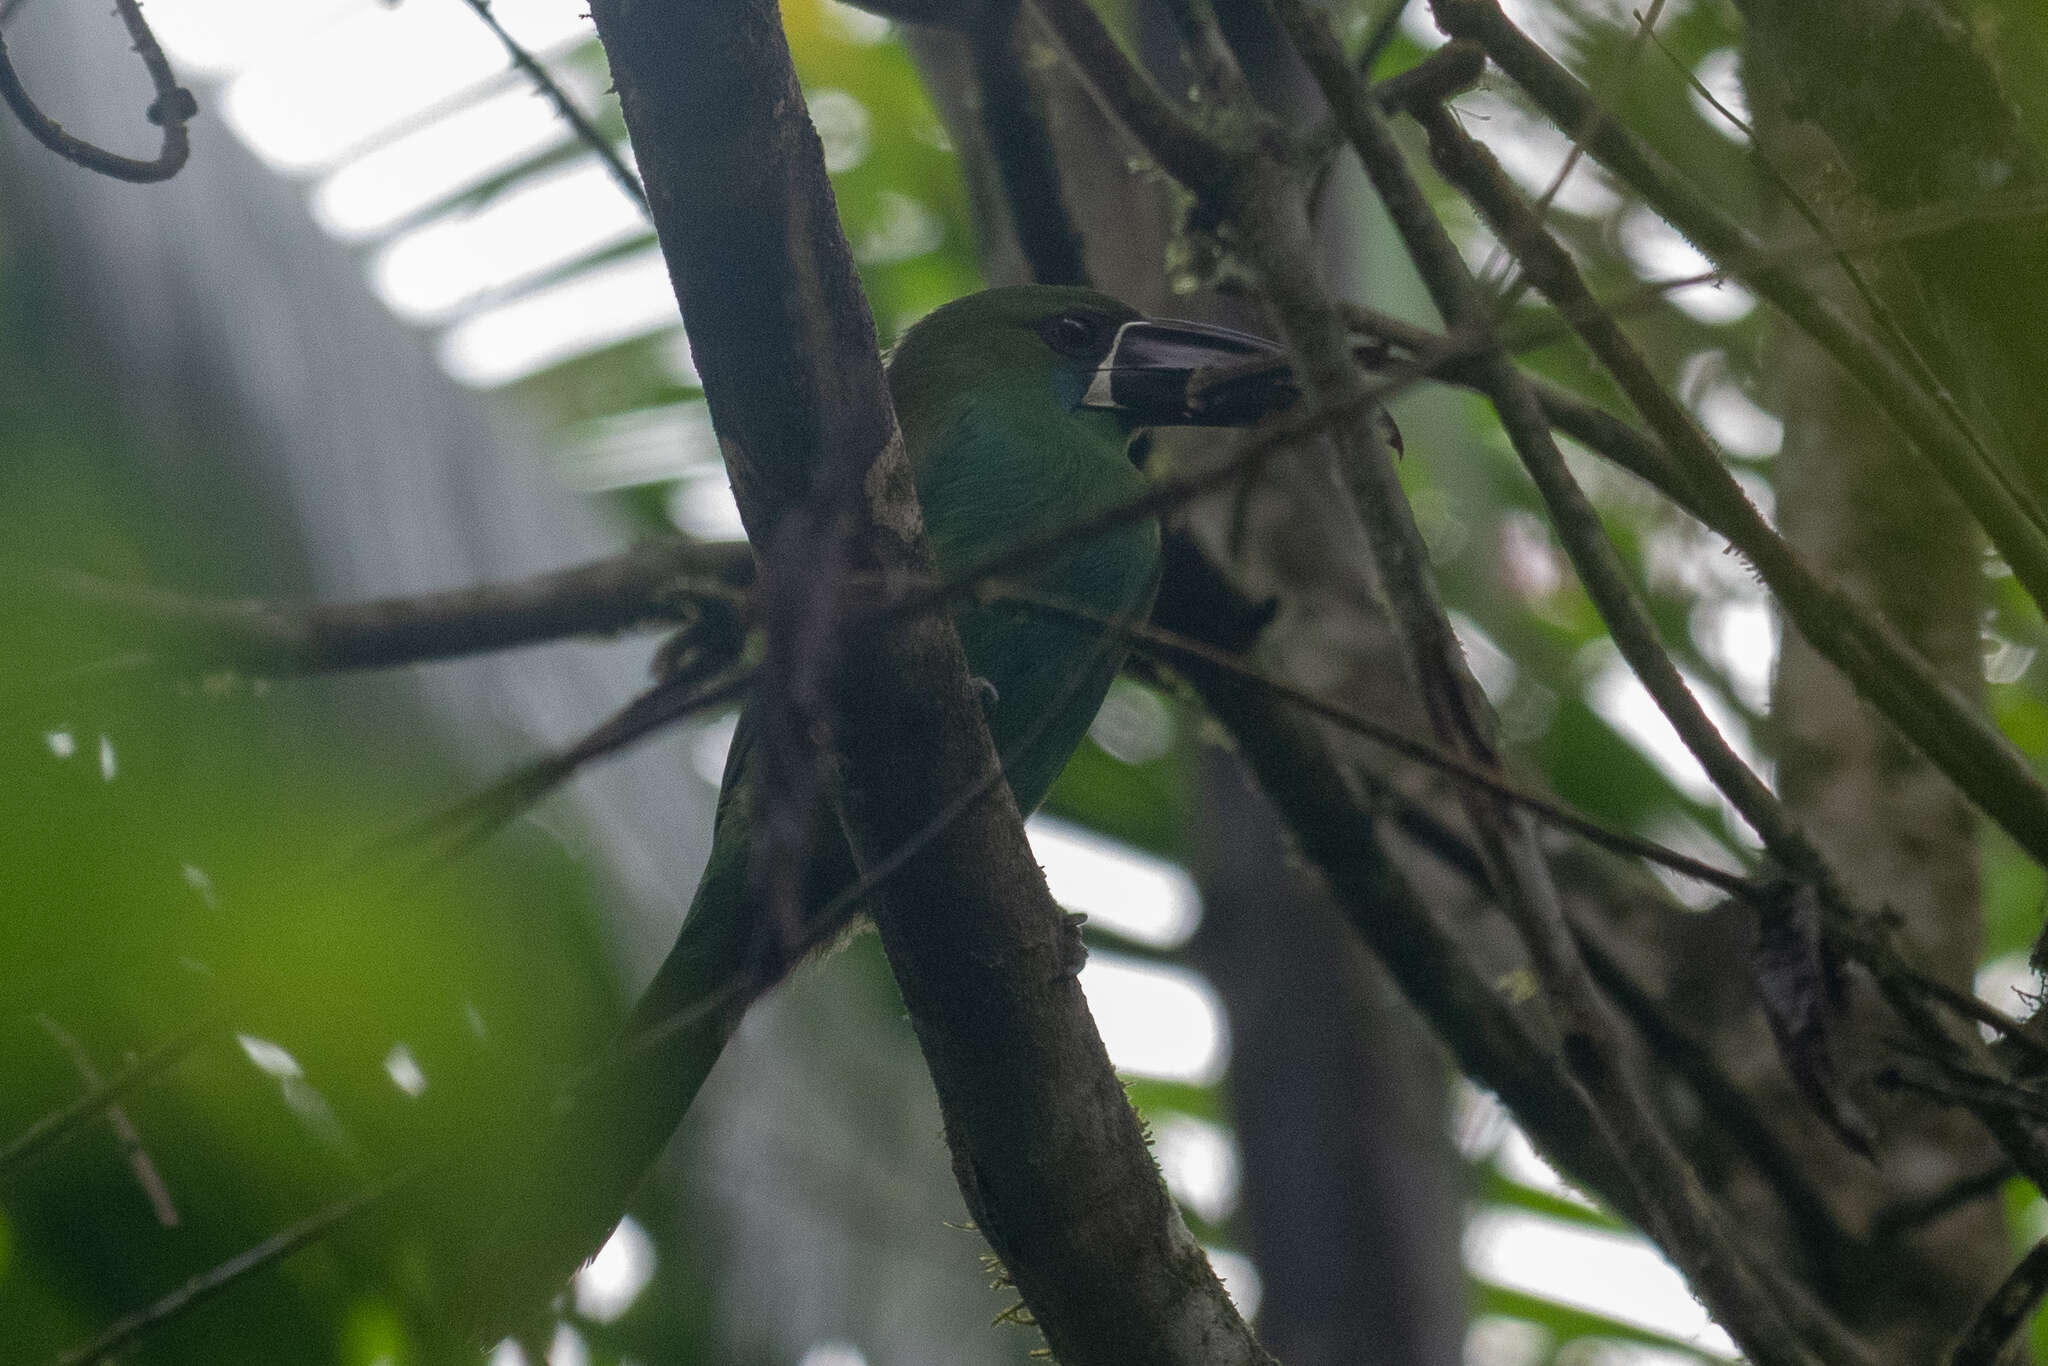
[(1074, 334)]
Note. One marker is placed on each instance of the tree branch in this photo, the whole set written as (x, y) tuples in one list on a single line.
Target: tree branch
[(1020, 146), (1048, 1152), (645, 585), (1681, 1215), (1887, 671), (2005, 1313), (52, 1130), (172, 109), (2008, 514), (1187, 153), (565, 104), (131, 1328)]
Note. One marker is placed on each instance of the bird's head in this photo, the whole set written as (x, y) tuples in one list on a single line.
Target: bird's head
[(1094, 356)]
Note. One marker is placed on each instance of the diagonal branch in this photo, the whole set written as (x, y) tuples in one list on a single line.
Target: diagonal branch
[(1186, 153), (1682, 1216), (132, 1328), (1048, 1152), (2005, 1313), (118, 1119), (1867, 649), (565, 104), (52, 1130), (1013, 121), (2008, 513)]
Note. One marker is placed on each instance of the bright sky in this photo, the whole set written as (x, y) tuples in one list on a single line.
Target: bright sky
[(501, 288)]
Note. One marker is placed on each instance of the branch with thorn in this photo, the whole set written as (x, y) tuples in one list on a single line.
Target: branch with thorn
[(173, 108)]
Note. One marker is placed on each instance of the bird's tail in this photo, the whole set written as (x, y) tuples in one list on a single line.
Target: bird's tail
[(558, 1189)]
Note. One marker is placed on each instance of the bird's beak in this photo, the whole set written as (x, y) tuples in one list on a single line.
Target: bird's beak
[(1166, 373)]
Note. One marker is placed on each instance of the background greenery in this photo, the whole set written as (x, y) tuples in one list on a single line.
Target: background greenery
[(184, 849)]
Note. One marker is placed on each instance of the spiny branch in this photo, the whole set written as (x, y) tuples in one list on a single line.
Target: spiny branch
[(172, 109), (586, 132)]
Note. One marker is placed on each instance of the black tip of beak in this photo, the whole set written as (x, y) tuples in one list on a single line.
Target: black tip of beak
[(1242, 394), (1165, 373)]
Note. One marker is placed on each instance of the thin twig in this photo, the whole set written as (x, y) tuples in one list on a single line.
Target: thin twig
[(43, 1137), (1385, 28), (1959, 1052), (2015, 523), (1510, 290), (125, 1133), (586, 132), (131, 1328), (461, 827), (1178, 650), (1683, 1217), (1897, 1220), (172, 109), (1867, 650)]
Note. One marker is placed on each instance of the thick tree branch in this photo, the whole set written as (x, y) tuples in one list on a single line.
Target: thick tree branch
[(1187, 153), (648, 584), (1020, 146), (1048, 1152)]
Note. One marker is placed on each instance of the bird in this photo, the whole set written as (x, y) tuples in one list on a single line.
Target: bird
[(1018, 408)]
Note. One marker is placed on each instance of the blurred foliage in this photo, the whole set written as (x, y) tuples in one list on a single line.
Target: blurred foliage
[(216, 855), (210, 867)]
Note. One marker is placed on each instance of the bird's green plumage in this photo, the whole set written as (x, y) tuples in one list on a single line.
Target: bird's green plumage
[(1004, 450), (1003, 454)]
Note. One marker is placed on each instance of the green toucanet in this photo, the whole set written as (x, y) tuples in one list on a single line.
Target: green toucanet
[(1017, 407)]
